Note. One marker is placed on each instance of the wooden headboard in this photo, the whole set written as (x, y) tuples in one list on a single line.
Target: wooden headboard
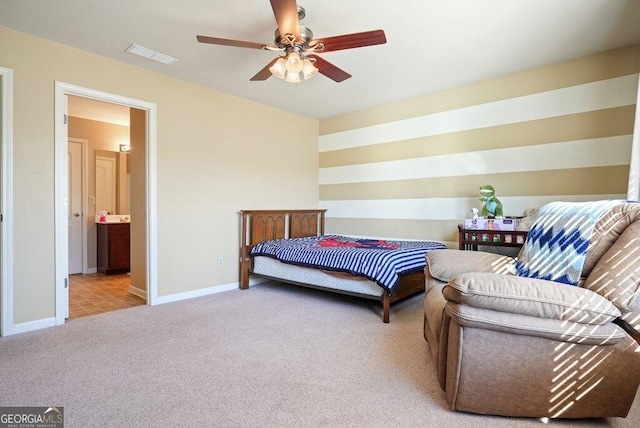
[(264, 225)]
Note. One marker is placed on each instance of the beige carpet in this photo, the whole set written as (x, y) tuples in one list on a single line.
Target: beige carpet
[(271, 356)]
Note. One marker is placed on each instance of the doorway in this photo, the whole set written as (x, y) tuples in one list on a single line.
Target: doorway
[(99, 173), (147, 229)]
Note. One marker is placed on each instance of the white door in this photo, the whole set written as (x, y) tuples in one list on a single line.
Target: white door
[(75, 212), (105, 184)]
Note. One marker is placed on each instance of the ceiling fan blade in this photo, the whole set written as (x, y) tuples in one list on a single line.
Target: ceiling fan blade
[(329, 70), (286, 13), (350, 41), (264, 74), (229, 42)]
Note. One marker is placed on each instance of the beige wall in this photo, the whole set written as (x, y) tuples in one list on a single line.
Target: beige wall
[(100, 135), (216, 155), (412, 169)]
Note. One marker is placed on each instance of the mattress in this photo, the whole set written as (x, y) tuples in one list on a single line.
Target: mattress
[(382, 261), (268, 266)]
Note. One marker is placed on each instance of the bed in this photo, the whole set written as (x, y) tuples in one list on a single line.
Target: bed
[(273, 240)]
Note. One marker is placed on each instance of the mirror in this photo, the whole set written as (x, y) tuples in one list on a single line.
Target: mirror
[(112, 178)]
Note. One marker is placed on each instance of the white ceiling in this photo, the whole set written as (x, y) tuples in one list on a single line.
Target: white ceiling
[(432, 44)]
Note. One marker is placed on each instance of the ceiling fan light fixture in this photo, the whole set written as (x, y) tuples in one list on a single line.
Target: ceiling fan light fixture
[(278, 68), (308, 69), (294, 62), (292, 77)]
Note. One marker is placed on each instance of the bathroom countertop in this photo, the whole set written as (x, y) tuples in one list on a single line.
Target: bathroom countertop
[(114, 218)]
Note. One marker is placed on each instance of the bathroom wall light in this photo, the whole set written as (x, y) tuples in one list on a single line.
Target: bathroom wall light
[(125, 147)]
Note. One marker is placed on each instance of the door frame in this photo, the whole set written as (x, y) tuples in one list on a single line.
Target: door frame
[(6, 202), (85, 196), (61, 245)]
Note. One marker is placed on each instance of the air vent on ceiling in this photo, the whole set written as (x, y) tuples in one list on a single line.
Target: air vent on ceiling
[(151, 54)]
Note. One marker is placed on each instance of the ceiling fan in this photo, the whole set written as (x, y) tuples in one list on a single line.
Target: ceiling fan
[(299, 48)]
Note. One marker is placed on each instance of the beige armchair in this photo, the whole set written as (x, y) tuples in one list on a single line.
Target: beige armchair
[(518, 346)]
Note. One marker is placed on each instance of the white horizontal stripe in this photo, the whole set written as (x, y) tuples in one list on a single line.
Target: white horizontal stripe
[(606, 151), (616, 92), (441, 208)]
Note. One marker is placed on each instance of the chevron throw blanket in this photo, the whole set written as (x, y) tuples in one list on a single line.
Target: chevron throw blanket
[(557, 244)]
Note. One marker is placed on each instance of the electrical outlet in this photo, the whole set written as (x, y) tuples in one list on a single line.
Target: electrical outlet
[(220, 261)]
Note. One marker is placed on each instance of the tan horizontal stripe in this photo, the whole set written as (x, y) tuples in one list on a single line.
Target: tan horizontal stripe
[(615, 63), (595, 124), (576, 181), (438, 230)]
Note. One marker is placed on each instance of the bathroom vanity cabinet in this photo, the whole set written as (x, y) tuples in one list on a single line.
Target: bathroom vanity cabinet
[(113, 247)]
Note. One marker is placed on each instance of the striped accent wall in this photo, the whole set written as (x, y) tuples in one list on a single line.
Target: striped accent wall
[(412, 169)]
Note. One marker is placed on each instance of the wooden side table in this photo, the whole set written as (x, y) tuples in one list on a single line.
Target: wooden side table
[(469, 239)]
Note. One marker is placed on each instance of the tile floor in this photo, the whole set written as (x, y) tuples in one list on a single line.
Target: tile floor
[(97, 293)]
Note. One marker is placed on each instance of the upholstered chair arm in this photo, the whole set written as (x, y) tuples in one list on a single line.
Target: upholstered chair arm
[(445, 264), (524, 325), (532, 297), (533, 307)]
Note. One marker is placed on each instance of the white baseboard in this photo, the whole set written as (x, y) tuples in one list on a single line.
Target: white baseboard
[(138, 292), (33, 325), (204, 291), (196, 293), (92, 270)]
